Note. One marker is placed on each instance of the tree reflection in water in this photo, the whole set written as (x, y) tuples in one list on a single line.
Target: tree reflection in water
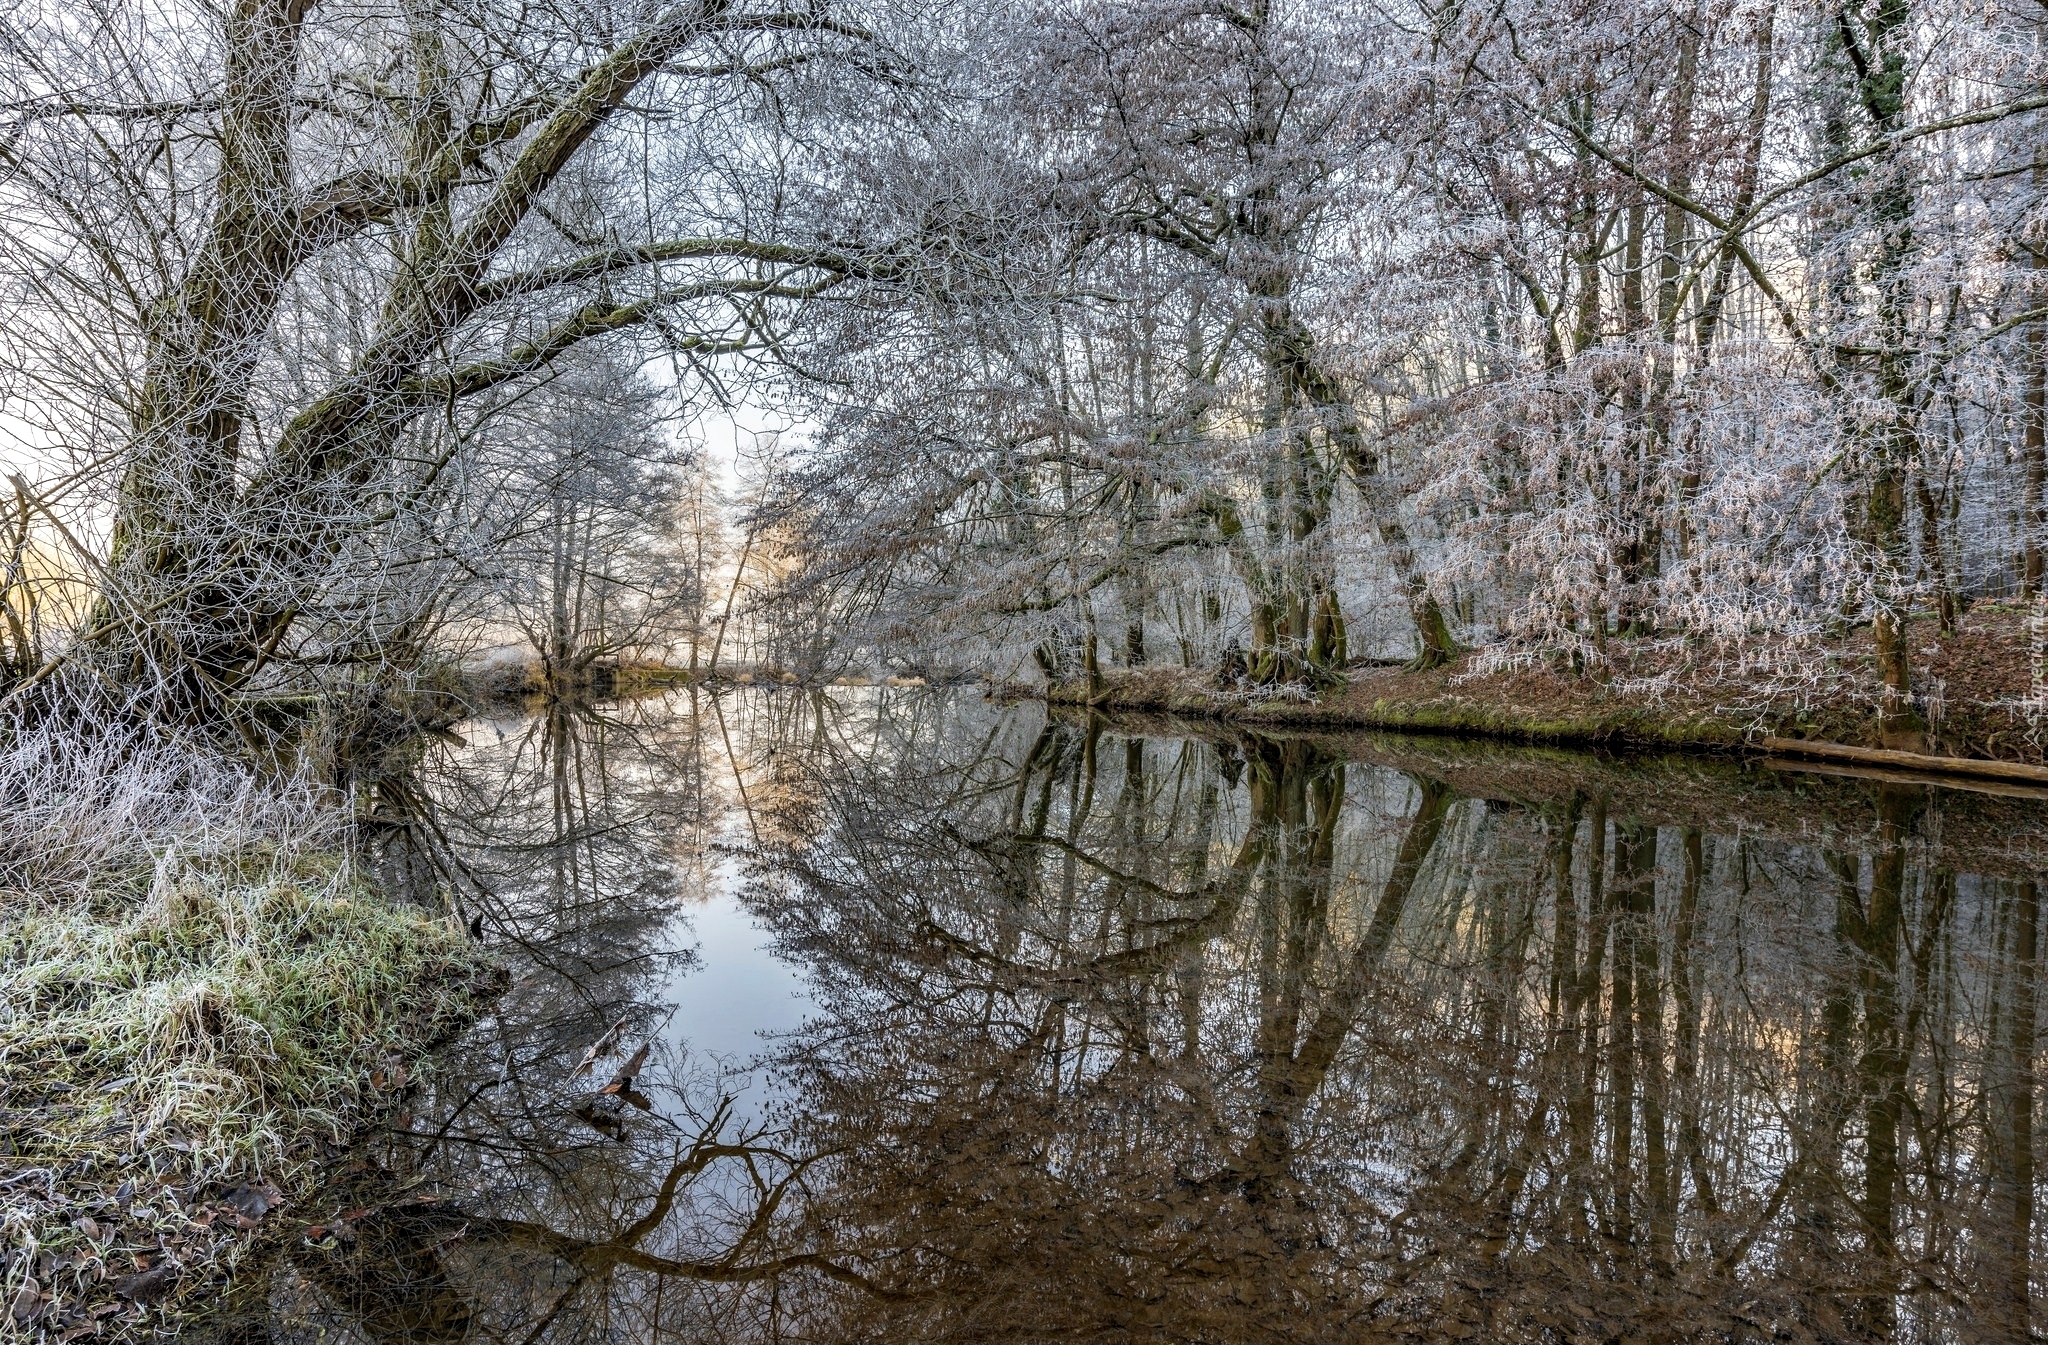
[(1122, 1035)]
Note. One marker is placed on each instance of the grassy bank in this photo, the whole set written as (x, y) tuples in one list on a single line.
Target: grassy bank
[(1978, 684), (200, 1000)]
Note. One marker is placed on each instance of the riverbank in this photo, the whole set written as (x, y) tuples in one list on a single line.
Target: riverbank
[(201, 1000), (519, 679), (1980, 699), (1974, 825)]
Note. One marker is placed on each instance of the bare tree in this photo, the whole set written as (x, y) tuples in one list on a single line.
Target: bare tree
[(251, 249)]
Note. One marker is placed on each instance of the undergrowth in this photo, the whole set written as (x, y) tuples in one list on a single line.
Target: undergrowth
[(200, 996)]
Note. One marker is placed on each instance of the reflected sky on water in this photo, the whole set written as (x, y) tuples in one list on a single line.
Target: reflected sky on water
[(969, 1024)]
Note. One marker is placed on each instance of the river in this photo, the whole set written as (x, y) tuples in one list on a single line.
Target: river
[(968, 1023)]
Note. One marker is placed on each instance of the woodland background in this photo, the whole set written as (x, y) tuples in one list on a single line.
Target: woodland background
[(341, 331)]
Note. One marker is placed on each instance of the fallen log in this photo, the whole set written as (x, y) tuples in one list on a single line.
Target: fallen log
[(1908, 761)]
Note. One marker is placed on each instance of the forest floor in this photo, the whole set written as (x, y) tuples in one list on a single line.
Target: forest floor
[(1982, 700), (183, 1048)]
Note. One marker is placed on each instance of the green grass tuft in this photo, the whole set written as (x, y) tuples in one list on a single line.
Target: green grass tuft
[(201, 996), (228, 1017)]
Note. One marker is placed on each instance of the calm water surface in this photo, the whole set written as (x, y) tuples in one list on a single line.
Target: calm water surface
[(967, 1024)]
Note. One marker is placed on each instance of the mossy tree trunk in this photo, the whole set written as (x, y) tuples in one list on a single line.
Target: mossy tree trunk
[(1886, 449), (218, 543)]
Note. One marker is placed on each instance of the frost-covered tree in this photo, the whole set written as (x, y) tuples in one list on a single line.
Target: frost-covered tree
[(1548, 324), (249, 250)]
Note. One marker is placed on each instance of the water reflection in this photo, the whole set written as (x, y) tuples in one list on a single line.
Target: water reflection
[(1114, 1033)]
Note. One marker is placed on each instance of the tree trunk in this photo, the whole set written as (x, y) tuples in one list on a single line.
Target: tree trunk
[(208, 573), (2034, 435), (1889, 450)]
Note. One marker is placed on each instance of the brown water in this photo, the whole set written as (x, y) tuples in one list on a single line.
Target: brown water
[(971, 1026)]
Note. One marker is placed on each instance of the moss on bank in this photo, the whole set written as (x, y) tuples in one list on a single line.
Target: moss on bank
[(1618, 725), (178, 1050), (1442, 709)]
